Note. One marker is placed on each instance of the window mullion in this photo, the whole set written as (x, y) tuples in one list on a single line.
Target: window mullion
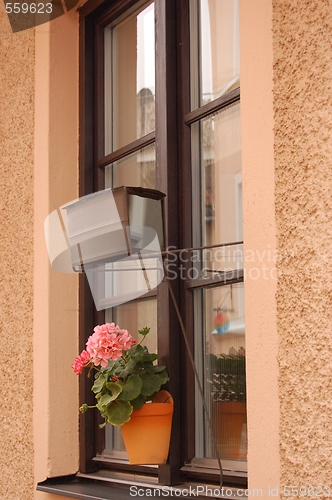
[(167, 181)]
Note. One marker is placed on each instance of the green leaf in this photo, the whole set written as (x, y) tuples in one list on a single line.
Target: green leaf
[(159, 369), (141, 353), (114, 388), (107, 398), (151, 384), (136, 352), (99, 382), (118, 412), (151, 368), (163, 376), (131, 388), (127, 370), (153, 357), (138, 402), (110, 365)]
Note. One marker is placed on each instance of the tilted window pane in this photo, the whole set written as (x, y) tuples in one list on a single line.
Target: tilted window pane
[(216, 153), (129, 78)]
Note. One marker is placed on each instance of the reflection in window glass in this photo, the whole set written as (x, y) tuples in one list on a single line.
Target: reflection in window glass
[(215, 44), (216, 140), (223, 372), (129, 78)]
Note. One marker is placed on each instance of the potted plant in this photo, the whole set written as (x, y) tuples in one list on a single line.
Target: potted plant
[(127, 386), (226, 381)]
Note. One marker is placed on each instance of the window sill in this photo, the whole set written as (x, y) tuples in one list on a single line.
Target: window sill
[(85, 487)]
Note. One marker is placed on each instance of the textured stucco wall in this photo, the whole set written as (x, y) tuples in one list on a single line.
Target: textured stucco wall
[(16, 260), (302, 38)]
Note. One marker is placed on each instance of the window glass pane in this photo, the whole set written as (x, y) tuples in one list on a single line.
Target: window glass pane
[(137, 169), (220, 313), (215, 58), (216, 149), (132, 316), (129, 78)]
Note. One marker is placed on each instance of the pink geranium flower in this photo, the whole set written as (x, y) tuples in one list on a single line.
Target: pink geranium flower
[(107, 342), (119, 382), (80, 362)]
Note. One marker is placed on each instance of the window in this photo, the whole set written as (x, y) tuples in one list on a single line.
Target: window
[(160, 108)]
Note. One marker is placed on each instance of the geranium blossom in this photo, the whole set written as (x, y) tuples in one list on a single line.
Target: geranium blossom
[(107, 342), (80, 362), (126, 372)]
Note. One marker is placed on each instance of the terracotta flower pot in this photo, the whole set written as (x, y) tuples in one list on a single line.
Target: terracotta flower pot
[(147, 434), (227, 420)]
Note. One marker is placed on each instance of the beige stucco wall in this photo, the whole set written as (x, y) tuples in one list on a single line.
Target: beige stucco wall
[(16, 260), (302, 34)]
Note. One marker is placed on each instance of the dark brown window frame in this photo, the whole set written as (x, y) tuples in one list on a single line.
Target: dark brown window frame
[(172, 139)]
